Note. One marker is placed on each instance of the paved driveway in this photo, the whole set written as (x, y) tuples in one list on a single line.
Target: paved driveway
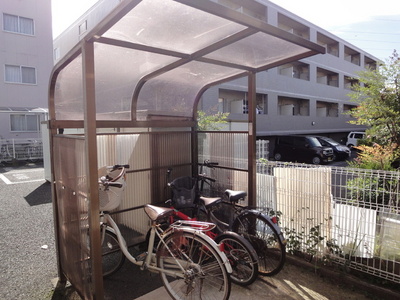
[(27, 251)]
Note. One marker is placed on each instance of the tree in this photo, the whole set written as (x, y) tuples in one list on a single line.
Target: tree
[(211, 122), (379, 96)]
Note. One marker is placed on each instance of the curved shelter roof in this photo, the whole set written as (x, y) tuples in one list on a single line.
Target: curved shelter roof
[(153, 59)]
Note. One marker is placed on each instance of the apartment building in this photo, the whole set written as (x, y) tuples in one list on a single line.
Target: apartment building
[(309, 96), (26, 61)]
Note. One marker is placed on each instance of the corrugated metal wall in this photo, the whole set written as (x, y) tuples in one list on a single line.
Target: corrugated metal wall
[(149, 155)]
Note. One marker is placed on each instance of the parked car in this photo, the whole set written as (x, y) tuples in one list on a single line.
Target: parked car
[(340, 152), (301, 148), (353, 137)]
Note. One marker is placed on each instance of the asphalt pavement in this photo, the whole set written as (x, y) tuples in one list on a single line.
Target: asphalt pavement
[(29, 268), (27, 251)]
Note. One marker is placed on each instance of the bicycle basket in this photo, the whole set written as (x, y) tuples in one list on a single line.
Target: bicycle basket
[(183, 192), (110, 197)]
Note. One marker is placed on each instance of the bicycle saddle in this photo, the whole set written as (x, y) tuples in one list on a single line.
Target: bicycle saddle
[(209, 202), (157, 213), (235, 196)]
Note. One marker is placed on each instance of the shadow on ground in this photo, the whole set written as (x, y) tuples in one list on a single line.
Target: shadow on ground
[(41, 195), (298, 280)]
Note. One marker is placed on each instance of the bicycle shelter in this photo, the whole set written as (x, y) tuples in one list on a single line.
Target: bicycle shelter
[(131, 88)]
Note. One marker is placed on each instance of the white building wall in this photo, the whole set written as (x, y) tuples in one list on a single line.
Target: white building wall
[(25, 50)]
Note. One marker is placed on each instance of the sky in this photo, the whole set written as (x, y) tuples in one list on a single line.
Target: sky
[(373, 26), (65, 12)]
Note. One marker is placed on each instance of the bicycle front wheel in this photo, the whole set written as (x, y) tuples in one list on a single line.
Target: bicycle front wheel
[(201, 272), (241, 256), (264, 238), (112, 256)]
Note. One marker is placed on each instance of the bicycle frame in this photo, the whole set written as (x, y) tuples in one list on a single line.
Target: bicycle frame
[(239, 210), (149, 263), (185, 217)]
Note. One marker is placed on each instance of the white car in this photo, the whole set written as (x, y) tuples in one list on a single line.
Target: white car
[(353, 137)]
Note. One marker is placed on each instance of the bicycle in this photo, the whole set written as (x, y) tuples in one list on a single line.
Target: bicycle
[(259, 229), (33, 150), (190, 263), (239, 251), (5, 154)]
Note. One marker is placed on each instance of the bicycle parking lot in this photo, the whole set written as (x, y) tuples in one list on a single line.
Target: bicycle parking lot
[(29, 267)]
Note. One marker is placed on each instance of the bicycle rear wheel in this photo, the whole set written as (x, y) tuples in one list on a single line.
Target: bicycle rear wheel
[(112, 256), (264, 238), (203, 274), (242, 257)]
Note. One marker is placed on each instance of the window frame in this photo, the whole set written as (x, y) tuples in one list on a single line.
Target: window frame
[(25, 125), (19, 30), (20, 74)]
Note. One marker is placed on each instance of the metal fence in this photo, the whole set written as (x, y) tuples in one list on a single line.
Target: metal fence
[(20, 149), (335, 214), (338, 215)]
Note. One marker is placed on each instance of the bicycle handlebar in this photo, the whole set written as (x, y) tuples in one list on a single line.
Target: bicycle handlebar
[(108, 181), (210, 164), (115, 167)]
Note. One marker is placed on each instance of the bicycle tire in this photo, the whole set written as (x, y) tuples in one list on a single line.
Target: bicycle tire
[(242, 257), (265, 239), (204, 275), (112, 256)]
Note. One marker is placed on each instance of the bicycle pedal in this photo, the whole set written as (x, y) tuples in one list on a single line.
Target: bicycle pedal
[(141, 257)]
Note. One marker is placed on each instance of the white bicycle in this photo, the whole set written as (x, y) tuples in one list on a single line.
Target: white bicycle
[(190, 263)]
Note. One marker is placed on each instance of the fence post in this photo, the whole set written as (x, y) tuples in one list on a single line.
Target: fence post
[(252, 184)]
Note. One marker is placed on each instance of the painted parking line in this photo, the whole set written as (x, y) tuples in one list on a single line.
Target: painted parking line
[(22, 176)]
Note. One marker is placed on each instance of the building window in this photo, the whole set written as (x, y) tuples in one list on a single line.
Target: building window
[(56, 53), (293, 26), (288, 106), (296, 70), (369, 63), (18, 24), (254, 9), (83, 27), (20, 74), (350, 82), (24, 123), (351, 55), (332, 46), (347, 108), (327, 109), (236, 102), (327, 77)]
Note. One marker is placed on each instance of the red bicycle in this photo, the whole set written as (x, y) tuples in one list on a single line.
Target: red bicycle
[(239, 251), (261, 230)]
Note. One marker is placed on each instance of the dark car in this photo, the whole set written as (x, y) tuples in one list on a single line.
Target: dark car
[(340, 152), (301, 148)]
